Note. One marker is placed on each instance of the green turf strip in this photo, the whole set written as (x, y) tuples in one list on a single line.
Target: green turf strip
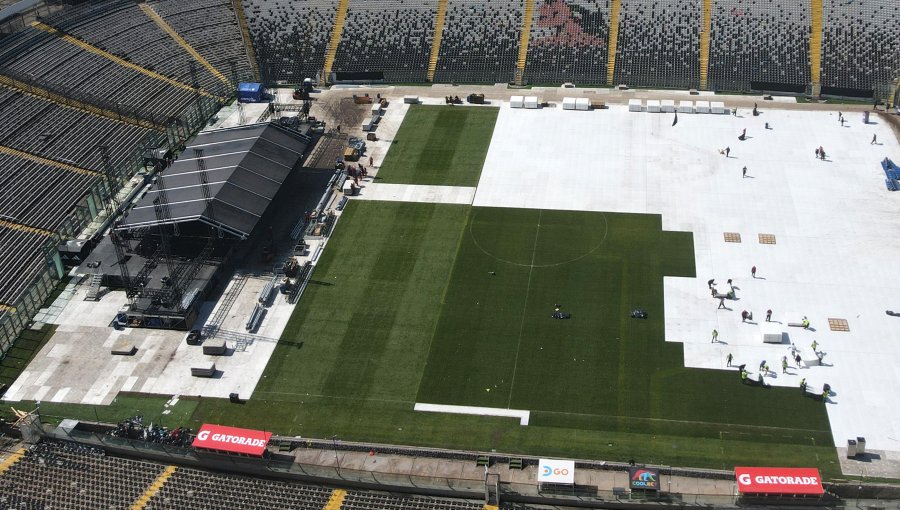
[(363, 326), (440, 145), (599, 369)]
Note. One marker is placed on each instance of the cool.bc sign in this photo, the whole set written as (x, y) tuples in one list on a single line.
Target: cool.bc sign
[(643, 479)]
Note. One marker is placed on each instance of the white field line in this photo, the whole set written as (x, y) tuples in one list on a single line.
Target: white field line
[(521, 414)]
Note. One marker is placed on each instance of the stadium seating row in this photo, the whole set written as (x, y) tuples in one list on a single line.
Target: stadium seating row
[(58, 474), (111, 56), (658, 42), (125, 30), (859, 39)]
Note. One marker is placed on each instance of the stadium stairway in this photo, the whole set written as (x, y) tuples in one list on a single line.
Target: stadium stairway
[(815, 45), (21, 227), (118, 60), (49, 162), (614, 9), (69, 102), (523, 40), (436, 42), (11, 460), (704, 43), (336, 500), (339, 18), (245, 35), (153, 488), (165, 27)]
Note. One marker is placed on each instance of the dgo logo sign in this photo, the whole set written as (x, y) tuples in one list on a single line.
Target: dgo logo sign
[(556, 471), (549, 471), (757, 480), (643, 478)]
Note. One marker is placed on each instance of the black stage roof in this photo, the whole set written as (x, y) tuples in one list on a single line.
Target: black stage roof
[(245, 166)]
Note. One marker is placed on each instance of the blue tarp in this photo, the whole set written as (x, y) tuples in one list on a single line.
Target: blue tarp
[(892, 173), (250, 92)]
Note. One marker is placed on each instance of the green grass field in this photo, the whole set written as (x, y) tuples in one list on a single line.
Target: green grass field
[(402, 308), (440, 146), (600, 368)]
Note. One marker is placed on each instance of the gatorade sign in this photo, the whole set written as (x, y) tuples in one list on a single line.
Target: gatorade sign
[(760, 480), (231, 439), (556, 471)]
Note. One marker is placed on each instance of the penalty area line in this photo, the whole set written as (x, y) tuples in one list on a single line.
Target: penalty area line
[(521, 414)]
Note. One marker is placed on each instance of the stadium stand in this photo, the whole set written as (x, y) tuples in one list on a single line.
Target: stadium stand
[(64, 134), (390, 36), (20, 257), (39, 195), (211, 28), (69, 475), (858, 37), (763, 42), (68, 69), (357, 500), (126, 31), (192, 488), (568, 42), (480, 43), (290, 37), (658, 44), (62, 474), (96, 74)]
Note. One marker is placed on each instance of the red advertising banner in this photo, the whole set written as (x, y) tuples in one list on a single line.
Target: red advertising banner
[(231, 439), (764, 480)]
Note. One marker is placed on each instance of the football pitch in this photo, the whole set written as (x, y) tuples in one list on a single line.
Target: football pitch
[(451, 304), (439, 304)]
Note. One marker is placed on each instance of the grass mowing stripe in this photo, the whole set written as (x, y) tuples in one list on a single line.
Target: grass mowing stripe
[(623, 397), (444, 134), (440, 145), (371, 325), (443, 299), (362, 329), (512, 382)]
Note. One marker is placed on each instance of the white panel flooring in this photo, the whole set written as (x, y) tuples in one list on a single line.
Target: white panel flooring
[(834, 222)]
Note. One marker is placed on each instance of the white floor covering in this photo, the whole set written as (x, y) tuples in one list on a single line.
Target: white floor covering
[(833, 221), (417, 193), (521, 414)]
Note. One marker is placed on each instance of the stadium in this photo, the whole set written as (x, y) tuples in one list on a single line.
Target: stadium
[(378, 254)]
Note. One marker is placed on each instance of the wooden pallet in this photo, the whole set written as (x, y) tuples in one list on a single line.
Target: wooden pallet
[(766, 238), (838, 325), (732, 237)]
